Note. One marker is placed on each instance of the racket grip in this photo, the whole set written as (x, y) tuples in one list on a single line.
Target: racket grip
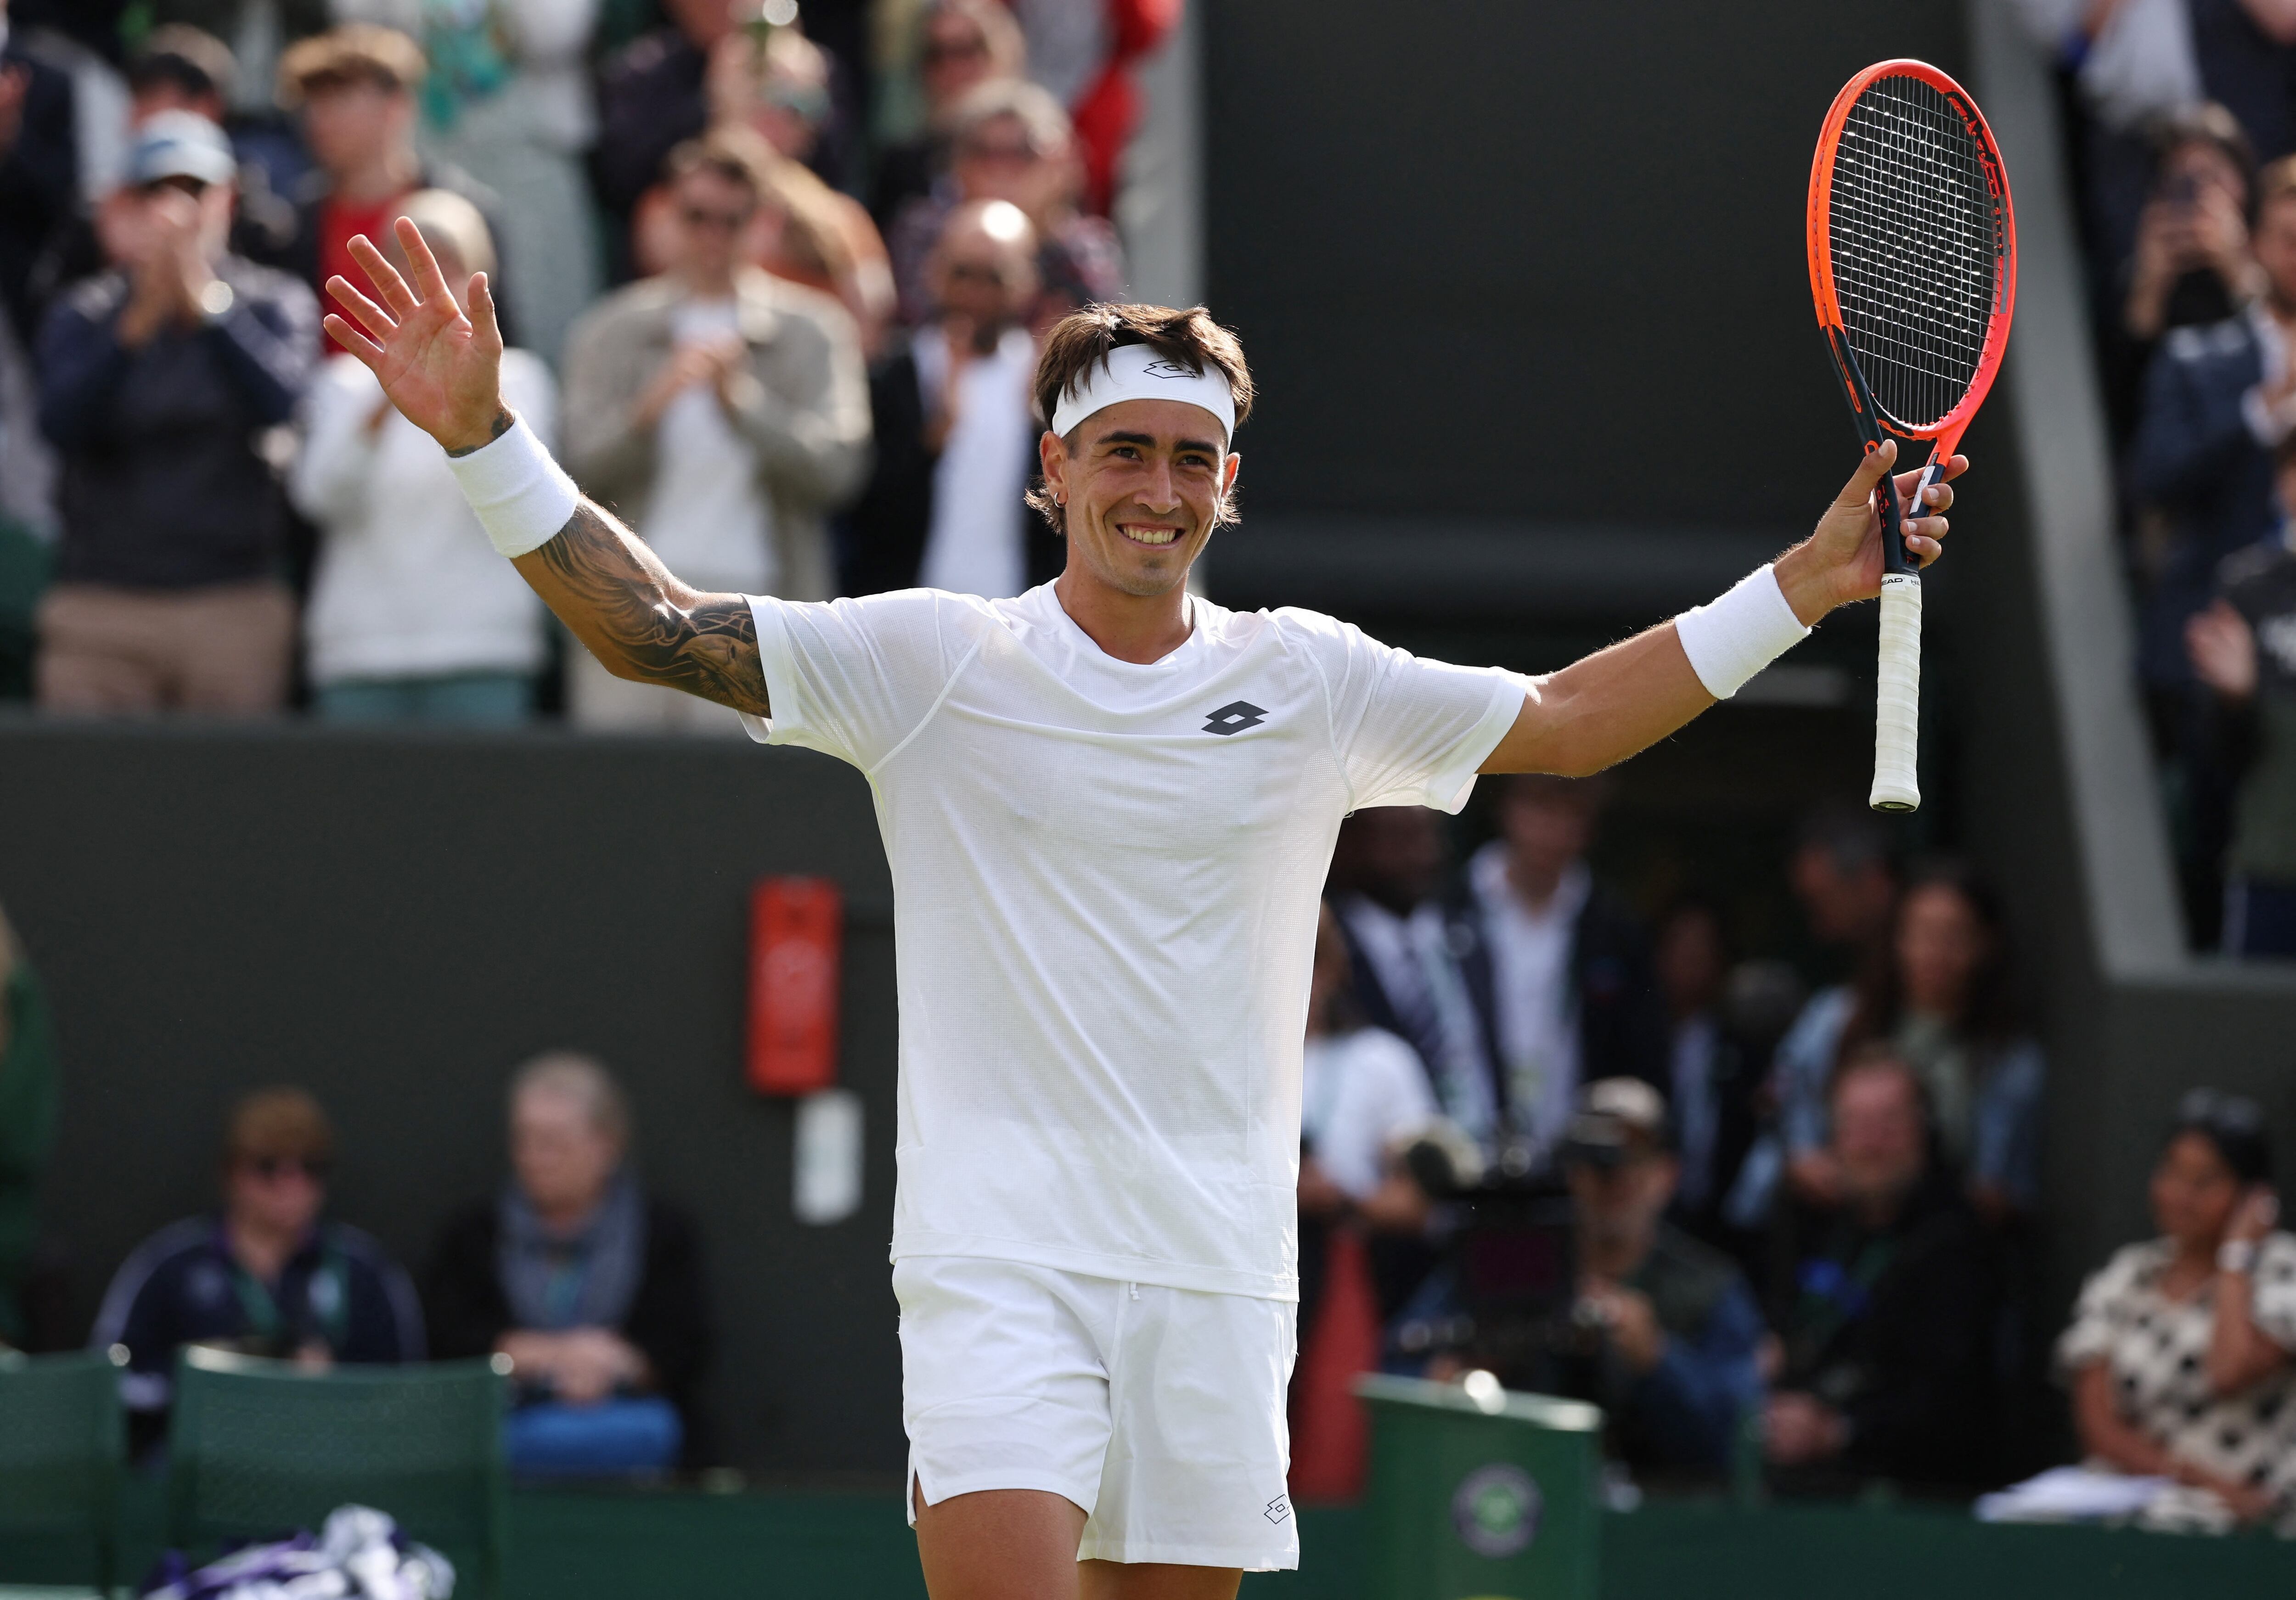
[(1898, 699)]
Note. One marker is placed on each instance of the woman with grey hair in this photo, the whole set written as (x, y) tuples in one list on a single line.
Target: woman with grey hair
[(590, 1286)]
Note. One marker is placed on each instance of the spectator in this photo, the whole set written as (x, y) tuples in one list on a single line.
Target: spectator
[(159, 380), (1013, 142), (725, 412), (39, 174), (589, 1285), (2180, 1350), (1884, 1304), (1387, 871), (2191, 265), (354, 87), (2244, 648), (961, 44), (1941, 998), (1708, 1080), (1573, 995), (412, 617), (267, 1276), (956, 429), (27, 1124), (778, 89), (1362, 1093), (179, 68), (1842, 874), (508, 101), (1671, 1328), (1084, 52), (653, 97)]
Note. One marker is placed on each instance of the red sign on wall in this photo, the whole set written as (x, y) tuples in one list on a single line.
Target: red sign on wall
[(797, 937)]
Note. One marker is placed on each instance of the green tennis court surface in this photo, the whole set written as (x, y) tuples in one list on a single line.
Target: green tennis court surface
[(597, 1545)]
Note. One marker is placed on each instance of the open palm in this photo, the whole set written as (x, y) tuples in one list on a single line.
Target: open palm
[(443, 370)]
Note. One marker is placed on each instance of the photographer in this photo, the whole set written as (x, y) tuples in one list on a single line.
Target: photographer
[(1667, 1329)]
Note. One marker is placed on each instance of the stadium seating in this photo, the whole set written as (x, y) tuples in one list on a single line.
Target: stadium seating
[(63, 1443)]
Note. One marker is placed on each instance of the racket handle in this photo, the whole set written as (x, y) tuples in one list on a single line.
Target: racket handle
[(1898, 700)]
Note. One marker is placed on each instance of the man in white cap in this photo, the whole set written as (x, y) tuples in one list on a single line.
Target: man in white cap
[(1108, 806), (157, 382)]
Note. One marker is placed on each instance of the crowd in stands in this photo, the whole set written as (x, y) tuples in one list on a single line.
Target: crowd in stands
[(771, 284), (1779, 1222), (2183, 126)]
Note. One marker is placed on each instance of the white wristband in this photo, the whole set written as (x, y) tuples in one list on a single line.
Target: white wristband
[(1730, 639), (523, 496)]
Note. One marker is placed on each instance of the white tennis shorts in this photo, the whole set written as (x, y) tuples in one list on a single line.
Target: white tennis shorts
[(1158, 1411)]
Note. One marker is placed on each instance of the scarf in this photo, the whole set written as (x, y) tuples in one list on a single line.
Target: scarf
[(584, 1281)]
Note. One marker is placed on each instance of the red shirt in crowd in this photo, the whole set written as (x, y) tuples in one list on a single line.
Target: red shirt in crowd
[(338, 222)]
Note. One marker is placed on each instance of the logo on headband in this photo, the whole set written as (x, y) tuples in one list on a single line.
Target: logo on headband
[(1166, 369)]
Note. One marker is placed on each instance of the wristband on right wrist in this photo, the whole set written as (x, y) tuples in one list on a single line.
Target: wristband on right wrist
[(1731, 638), (523, 496)]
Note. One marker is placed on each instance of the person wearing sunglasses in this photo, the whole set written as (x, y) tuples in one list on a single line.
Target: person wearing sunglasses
[(961, 44), (266, 1274), (2182, 1352)]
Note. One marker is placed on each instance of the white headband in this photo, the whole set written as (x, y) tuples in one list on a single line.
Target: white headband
[(1135, 372)]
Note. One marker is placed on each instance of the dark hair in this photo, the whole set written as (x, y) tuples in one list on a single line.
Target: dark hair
[(1852, 837), (2209, 123), (2234, 1126), (1082, 340), (1988, 1013), (735, 154), (187, 58)]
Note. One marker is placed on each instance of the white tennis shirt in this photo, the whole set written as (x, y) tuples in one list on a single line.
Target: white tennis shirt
[(1106, 881)]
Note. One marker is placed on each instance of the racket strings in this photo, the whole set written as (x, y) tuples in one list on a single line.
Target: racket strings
[(1917, 240)]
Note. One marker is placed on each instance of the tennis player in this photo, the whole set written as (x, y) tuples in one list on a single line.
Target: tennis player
[(1109, 806)]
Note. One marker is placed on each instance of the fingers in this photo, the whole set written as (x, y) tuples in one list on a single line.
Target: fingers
[(350, 338), (371, 316), (384, 276), (1859, 490), (428, 278), (484, 324)]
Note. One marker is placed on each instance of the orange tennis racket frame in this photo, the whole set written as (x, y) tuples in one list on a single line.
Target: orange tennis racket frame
[(1873, 421), (1897, 712)]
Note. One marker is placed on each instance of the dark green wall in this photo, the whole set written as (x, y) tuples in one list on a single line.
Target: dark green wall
[(395, 923)]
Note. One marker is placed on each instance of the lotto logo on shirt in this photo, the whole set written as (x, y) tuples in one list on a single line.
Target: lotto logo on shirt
[(1233, 717)]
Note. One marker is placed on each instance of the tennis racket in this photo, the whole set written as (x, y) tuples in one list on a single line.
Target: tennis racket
[(1912, 262)]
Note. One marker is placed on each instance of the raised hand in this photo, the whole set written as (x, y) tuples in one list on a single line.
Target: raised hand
[(442, 369), (1841, 560)]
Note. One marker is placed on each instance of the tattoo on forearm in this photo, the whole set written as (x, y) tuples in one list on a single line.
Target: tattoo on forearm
[(710, 648), (505, 420)]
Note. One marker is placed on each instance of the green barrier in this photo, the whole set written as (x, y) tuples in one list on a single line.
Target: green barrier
[(1477, 1494)]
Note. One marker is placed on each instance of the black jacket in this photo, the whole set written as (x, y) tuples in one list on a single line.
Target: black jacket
[(1894, 1328), (885, 531), (467, 1310), (164, 486), (39, 188)]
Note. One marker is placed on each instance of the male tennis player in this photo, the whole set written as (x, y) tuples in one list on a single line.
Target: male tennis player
[(1109, 806)]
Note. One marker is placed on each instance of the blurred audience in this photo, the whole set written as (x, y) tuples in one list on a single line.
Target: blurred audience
[(508, 101), (778, 89), (412, 617), (160, 380), (1706, 1070), (27, 1127), (1572, 996), (1884, 1303), (724, 413), (961, 44), (1085, 53), (266, 1276), (1408, 953), (179, 68), (1012, 141), (1942, 998), (2182, 1352), (2244, 648), (591, 1286), (39, 174), (353, 88), (956, 429), (1670, 1331), (653, 97)]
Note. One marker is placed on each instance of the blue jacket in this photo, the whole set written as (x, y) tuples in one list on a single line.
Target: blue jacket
[(181, 1286), (2195, 457), (165, 485)]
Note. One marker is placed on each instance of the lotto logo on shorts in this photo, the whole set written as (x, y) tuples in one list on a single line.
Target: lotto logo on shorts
[(1277, 1509), (1233, 717)]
